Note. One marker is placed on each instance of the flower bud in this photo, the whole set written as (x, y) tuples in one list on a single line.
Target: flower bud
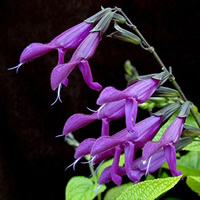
[(191, 131), (118, 18), (103, 24), (124, 35), (166, 92)]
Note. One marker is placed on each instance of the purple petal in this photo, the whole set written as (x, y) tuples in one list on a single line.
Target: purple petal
[(142, 90), (87, 75), (106, 174), (173, 132), (131, 113), (60, 73), (117, 179), (77, 121), (146, 129), (103, 156), (88, 47), (34, 50), (150, 148), (71, 38), (103, 144), (109, 94), (170, 155), (112, 111), (84, 148), (61, 56), (105, 128), (129, 152)]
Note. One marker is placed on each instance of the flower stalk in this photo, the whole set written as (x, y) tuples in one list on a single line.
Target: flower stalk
[(145, 45)]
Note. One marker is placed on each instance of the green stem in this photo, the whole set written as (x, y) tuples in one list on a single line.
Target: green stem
[(94, 176), (152, 50)]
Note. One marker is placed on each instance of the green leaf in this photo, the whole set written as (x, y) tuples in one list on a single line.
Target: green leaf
[(164, 128), (190, 121), (81, 188), (194, 146), (194, 183), (189, 164), (108, 163), (114, 192), (149, 189)]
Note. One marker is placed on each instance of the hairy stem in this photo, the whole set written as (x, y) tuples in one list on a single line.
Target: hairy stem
[(148, 47)]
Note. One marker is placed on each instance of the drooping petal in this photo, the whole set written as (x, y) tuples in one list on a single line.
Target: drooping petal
[(34, 50), (77, 121), (60, 73), (131, 113), (84, 148), (87, 75), (170, 155), (106, 174), (105, 128), (129, 154), (117, 179)]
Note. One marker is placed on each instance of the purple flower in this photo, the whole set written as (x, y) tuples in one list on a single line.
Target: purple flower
[(136, 169), (106, 113), (140, 91), (84, 52), (81, 56), (145, 131), (169, 138), (67, 40)]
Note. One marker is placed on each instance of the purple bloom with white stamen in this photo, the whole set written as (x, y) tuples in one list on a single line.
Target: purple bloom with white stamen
[(106, 113), (67, 40), (167, 141), (80, 57), (136, 169)]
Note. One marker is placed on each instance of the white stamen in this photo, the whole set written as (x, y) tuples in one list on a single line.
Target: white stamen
[(91, 110), (73, 164), (98, 189), (58, 95), (100, 109), (16, 67), (148, 165), (57, 136), (90, 161), (96, 168)]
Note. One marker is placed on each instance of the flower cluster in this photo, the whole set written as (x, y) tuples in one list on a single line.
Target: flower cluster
[(154, 153), (114, 104), (83, 37)]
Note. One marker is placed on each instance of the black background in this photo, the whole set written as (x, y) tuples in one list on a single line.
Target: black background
[(32, 160)]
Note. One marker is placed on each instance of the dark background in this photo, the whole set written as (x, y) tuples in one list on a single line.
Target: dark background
[(32, 160)]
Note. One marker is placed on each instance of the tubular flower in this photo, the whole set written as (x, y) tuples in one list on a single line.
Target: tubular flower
[(136, 169), (69, 39), (106, 113), (169, 138), (81, 56), (139, 92)]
